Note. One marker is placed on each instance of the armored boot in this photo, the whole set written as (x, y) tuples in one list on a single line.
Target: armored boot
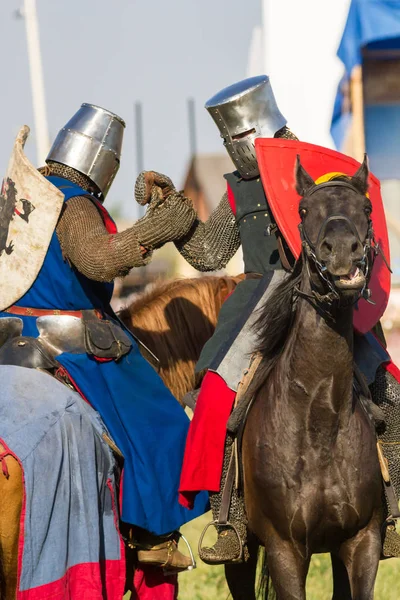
[(161, 551), (229, 518)]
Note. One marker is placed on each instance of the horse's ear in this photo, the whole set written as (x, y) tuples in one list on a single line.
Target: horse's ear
[(303, 179), (360, 179)]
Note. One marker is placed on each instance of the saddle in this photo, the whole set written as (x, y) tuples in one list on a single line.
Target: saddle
[(22, 351), (27, 352)]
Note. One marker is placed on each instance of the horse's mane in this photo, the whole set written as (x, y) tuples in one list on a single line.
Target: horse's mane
[(274, 324), (175, 319)]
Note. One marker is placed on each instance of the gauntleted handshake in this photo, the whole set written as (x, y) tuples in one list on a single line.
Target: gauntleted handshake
[(169, 216)]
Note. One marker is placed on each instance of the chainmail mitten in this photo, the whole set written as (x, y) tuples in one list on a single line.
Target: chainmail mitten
[(151, 187), (209, 246), (97, 254), (165, 221)]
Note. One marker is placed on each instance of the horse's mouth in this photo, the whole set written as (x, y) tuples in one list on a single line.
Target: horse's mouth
[(355, 280)]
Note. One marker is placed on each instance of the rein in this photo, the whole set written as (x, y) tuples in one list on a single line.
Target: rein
[(370, 246)]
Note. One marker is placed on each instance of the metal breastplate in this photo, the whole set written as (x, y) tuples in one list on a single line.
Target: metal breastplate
[(253, 216)]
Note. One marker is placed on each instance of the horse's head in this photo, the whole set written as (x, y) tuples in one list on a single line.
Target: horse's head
[(336, 229)]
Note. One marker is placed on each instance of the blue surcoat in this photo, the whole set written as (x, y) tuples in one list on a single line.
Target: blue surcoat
[(144, 419)]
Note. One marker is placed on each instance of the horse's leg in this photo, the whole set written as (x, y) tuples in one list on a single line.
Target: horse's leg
[(284, 559), (241, 577), (11, 497), (361, 555), (341, 582)]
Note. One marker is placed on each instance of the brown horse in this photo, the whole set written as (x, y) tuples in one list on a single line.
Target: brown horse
[(312, 480), (175, 319)]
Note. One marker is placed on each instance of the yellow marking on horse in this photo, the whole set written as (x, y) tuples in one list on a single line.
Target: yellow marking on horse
[(330, 176)]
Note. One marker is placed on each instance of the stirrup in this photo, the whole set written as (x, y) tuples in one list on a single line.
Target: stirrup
[(390, 535), (191, 567), (217, 524)]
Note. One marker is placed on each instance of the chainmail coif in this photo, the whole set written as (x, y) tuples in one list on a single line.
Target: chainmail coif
[(60, 170), (210, 246)]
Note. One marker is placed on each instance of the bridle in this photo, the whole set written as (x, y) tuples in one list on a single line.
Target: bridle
[(370, 246)]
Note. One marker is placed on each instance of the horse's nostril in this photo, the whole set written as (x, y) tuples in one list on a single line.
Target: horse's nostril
[(327, 246), (354, 247)]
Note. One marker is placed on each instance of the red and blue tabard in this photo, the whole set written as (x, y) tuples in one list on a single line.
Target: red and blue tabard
[(277, 160)]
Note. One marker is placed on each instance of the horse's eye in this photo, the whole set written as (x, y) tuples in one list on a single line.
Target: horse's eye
[(368, 210), (303, 212)]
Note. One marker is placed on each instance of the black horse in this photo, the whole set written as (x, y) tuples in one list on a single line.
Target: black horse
[(312, 479)]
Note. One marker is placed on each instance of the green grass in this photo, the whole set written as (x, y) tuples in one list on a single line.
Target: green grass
[(208, 583)]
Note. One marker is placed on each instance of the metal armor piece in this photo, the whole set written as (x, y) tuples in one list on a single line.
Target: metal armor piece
[(91, 143), (243, 112), (27, 352), (62, 333), (10, 327), (29, 210), (89, 334)]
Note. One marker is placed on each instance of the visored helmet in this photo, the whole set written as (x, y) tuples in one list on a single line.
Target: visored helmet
[(243, 112)]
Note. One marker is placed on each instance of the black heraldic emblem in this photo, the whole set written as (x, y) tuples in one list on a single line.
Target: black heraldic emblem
[(8, 208)]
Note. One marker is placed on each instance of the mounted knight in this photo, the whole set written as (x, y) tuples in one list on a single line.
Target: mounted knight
[(55, 315), (244, 113)]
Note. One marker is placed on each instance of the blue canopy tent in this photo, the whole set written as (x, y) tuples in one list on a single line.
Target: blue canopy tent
[(367, 105), (373, 24)]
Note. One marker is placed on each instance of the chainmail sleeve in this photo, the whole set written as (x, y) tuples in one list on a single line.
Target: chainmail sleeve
[(209, 246), (86, 243)]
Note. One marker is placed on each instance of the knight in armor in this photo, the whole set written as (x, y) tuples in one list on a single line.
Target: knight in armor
[(242, 112), (67, 311)]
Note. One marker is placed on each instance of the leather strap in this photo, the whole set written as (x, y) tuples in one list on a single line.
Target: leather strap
[(43, 312), (282, 253), (392, 500), (223, 517), (233, 468), (387, 483)]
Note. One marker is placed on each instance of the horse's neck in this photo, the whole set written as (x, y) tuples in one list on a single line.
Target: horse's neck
[(319, 359)]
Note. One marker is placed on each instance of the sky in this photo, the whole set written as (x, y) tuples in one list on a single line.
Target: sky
[(160, 53)]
